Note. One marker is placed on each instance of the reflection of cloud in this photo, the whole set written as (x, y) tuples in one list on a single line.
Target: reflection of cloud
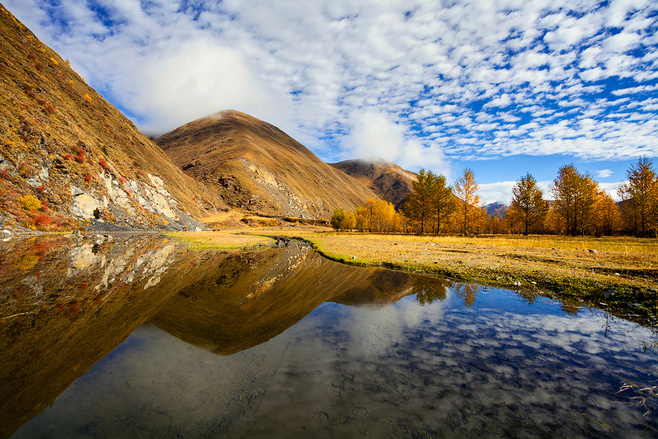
[(402, 370), (374, 332)]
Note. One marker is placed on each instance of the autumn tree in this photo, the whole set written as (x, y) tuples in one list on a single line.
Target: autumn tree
[(574, 197), (640, 196), (528, 206), (469, 201), (362, 217), (443, 201), (608, 217), (418, 204), (384, 218), (342, 220)]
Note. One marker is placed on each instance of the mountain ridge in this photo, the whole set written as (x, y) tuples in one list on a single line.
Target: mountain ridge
[(256, 167)]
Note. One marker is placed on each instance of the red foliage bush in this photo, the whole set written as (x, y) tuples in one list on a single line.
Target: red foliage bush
[(88, 177), (80, 158), (104, 163), (5, 175), (41, 189), (42, 220), (68, 156)]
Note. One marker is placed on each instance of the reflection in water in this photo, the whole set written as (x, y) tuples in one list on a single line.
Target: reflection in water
[(244, 300), (66, 304), (410, 356)]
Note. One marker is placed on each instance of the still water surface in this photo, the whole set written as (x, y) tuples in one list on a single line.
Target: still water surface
[(287, 344)]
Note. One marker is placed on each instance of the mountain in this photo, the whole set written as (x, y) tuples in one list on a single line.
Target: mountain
[(254, 166), (389, 181), (69, 159), (494, 209)]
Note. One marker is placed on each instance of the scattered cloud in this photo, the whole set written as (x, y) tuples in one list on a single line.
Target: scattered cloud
[(604, 173), (421, 82)]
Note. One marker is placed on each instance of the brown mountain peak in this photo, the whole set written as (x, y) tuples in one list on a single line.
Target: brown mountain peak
[(254, 166)]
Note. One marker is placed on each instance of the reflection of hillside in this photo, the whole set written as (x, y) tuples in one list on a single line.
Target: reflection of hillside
[(248, 299), (64, 305)]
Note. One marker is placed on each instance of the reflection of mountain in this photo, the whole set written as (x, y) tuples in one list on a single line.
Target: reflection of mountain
[(64, 305), (245, 300)]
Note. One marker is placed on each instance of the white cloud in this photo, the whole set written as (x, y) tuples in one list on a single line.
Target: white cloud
[(191, 79), (420, 82), (604, 173), (374, 134)]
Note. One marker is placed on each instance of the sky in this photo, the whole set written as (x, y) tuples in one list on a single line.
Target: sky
[(503, 87)]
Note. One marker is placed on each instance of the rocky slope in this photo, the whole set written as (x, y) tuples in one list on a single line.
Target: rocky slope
[(256, 167), (389, 181), (69, 159)]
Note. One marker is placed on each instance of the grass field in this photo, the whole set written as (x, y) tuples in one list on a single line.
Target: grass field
[(229, 240)]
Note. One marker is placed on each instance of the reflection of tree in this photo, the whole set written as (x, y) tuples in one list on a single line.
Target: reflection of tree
[(428, 290), (467, 292), (570, 308)]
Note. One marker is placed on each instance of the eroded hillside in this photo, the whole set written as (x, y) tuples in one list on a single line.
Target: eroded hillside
[(70, 159)]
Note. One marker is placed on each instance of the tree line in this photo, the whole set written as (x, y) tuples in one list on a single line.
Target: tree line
[(578, 206)]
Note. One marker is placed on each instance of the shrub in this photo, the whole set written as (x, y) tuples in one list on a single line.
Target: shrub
[(54, 61), (88, 177), (87, 98), (5, 175), (104, 163), (29, 202), (41, 189), (80, 158), (42, 220), (68, 156)]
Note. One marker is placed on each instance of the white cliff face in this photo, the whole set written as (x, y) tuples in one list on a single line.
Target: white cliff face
[(84, 205), (127, 196)]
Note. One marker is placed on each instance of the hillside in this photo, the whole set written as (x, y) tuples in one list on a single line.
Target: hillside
[(254, 166), (389, 181), (69, 159)]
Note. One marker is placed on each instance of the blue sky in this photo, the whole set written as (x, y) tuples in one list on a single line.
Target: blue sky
[(503, 87)]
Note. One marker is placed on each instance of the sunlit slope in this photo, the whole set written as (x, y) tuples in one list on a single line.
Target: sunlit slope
[(254, 166), (63, 144)]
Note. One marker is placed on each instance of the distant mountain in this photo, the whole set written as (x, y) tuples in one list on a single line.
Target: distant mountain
[(254, 166), (494, 209), (70, 159), (389, 181)]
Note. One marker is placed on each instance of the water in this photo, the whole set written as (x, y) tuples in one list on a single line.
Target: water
[(286, 344)]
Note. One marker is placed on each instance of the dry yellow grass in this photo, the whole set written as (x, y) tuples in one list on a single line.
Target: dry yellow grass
[(225, 240)]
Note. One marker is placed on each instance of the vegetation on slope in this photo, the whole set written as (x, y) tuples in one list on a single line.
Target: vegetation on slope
[(64, 145)]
